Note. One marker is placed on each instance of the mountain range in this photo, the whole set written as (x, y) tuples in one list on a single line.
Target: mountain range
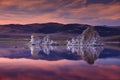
[(48, 28)]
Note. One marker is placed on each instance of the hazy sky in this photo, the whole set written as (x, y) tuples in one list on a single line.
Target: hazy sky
[(94, 12)]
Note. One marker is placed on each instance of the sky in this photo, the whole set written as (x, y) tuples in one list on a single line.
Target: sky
[(93, 12)]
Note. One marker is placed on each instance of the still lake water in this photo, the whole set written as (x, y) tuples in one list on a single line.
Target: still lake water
[(18, 61)]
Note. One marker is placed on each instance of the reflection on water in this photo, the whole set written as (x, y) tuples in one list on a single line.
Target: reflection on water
[(35, 49), (22, 62), (89, 54)]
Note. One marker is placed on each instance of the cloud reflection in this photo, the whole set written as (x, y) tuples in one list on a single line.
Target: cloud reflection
[(27, 69)]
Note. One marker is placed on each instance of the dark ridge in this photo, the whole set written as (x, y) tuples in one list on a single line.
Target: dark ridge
[(107, 31), (48, 28)]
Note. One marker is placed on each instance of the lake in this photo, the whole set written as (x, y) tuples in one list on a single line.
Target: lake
[(19, 61)]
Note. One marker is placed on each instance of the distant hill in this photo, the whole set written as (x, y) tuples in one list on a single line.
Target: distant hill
[(48, 28)]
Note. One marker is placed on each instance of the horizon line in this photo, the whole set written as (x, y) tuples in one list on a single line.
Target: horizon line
[(57, 23)]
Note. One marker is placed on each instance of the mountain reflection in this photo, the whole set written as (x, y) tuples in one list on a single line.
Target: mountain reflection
[(87, 53)]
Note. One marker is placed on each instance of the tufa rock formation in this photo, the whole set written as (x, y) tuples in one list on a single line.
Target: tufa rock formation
[(88, 37)]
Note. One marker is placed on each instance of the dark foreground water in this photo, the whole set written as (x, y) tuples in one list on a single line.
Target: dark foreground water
[(22, 62)]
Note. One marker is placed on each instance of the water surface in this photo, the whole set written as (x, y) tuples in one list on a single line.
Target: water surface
[(18, 61)]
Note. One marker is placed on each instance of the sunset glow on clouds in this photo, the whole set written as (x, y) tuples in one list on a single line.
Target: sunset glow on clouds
[(94, 12)]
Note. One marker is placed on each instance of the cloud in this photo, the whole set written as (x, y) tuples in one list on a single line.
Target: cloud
[(63, 11)]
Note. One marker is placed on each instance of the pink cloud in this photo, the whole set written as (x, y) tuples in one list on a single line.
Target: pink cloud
[(35, 11)]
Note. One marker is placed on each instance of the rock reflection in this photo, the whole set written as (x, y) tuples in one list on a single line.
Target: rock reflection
[(87, 53), (35, 49)]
